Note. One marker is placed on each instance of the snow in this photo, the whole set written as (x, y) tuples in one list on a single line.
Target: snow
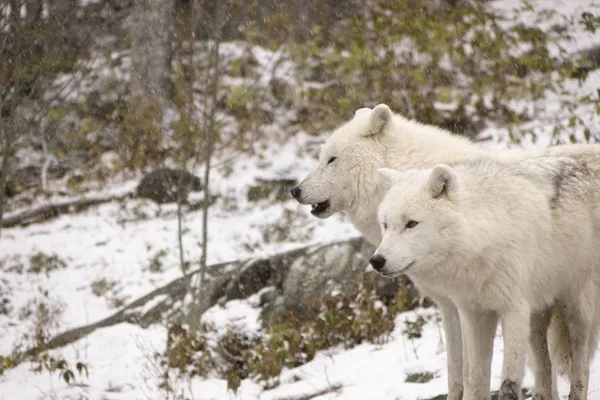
[(236, 315), (116, 242), (122, 366), (559, 10)]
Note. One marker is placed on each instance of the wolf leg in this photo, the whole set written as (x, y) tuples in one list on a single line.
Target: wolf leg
[(543, 372), (515, 330), (478, 328), (578, 316), (454, 347)]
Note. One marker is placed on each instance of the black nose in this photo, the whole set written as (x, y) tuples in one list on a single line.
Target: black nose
[(295, 192), (377, 262)]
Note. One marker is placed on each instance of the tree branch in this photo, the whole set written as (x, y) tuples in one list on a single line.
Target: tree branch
[(48, 211)]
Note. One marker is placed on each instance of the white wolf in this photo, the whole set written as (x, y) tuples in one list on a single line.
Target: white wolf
[(346, 180), (512, 238)]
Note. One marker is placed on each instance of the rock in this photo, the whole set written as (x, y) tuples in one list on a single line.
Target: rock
[(161, 185), (275, 189), (315, 274), (293, 278), (322, 269), (318, 270), (251, 278)]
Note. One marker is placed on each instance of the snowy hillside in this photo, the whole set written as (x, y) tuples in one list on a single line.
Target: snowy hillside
[(86, 266)]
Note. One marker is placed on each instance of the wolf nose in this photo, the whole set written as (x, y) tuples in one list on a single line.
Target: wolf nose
[(377, 262), (295, 192)]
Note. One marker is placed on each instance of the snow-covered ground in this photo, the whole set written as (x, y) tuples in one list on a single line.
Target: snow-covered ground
[(129, 249), (122, 366), (118, 243)]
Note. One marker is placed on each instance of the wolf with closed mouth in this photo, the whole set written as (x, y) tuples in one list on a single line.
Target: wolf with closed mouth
[(345, 180), (511, 238)]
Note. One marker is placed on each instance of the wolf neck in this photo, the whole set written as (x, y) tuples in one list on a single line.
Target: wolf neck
[(407, 145), (363, 214)]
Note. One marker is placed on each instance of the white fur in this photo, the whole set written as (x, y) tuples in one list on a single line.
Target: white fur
[(351, 185), (514, 239), (350, 182)]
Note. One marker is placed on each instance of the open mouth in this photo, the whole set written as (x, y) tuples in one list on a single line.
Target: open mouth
[(319, 208)]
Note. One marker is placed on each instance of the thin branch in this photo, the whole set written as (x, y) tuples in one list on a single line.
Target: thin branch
[(209, 119), (48, 160), (58, 95), (190, 110)]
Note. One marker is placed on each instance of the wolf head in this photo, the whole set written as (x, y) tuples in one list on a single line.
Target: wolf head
[(420, 220), (347, 163)]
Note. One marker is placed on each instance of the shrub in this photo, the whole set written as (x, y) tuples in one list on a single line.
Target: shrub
[(141, 143), (43, 263), (341, 321), (460, 67)]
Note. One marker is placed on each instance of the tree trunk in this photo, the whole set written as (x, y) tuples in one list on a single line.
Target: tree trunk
[(8, 125), (34, 9), (151, 35)]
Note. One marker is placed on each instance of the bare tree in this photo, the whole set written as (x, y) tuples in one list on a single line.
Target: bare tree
[(8, 121), (33, 48), (203, 138), (189, 126), (213, 75), (34, 9)]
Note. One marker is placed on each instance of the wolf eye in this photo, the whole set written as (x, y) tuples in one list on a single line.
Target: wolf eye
[(411, 224), (385, 225), (332, 159)]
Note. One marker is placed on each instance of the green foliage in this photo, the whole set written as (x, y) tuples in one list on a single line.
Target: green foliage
[(157, 260), (186, 351), (101, 286), (43, 263), (51, 364), (412, 56), (590, 21), (45, 362), (414, 329), (461, 67), (141, 143), (7, 363), (56, 113), (341, 321), (43, 314), (237, 102), (419, 377)]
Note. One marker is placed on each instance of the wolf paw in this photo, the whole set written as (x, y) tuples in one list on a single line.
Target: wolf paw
[(509, 390)]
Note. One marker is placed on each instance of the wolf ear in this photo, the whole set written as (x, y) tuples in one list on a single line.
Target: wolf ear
[(443, 182), (379, 119), (389, 175)]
